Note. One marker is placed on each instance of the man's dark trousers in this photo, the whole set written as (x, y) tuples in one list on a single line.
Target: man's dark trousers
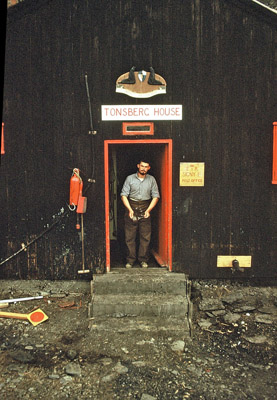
[(132, 226)]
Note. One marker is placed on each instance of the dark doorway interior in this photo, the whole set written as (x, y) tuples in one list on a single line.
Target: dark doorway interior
[(123, 159)]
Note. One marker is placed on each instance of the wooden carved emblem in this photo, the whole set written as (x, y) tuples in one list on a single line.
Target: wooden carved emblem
[(141, 83)]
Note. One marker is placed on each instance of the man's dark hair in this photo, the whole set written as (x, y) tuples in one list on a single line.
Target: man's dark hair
[(143, 159)]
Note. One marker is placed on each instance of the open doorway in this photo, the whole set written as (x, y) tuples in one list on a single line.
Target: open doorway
[(121, 158)]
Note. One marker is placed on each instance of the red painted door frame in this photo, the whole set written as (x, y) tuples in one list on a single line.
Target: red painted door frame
[(165, 234)]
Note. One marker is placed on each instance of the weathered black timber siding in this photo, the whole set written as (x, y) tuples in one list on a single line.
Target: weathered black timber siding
[(219, 61)]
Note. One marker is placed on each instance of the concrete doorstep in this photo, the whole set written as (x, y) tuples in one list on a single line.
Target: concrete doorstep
[(155, 297)]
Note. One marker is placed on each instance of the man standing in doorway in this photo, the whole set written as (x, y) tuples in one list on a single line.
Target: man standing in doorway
[(139, 194)]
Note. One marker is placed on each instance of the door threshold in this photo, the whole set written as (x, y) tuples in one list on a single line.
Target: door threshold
[(137, 271)]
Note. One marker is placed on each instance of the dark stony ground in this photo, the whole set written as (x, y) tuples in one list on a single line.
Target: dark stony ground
[(231, 354)]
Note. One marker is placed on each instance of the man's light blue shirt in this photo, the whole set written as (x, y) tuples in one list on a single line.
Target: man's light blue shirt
[(140, 190)]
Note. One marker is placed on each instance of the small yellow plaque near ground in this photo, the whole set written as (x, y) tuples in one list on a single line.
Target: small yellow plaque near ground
[(192, 174), (227, 261)]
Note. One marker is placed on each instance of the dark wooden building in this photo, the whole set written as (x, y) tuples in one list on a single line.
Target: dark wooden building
[(62, 61)]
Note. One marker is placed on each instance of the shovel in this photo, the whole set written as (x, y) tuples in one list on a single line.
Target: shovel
[(83, 270), (35, 317)]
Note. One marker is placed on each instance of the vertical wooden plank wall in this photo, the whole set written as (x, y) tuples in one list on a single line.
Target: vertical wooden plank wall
[(218, 60)]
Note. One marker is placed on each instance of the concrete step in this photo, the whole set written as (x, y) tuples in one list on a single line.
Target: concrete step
[(134, 299), (139, 324), (139, 281), (130, 305)]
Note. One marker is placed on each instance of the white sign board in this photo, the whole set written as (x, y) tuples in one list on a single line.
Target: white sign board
[(142, 112)]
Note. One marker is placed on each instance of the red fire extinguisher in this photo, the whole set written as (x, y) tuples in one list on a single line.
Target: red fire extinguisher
[(76, 198), (76, 187)]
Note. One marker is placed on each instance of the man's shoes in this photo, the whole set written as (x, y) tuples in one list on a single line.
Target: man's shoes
[(144, 264), (129, 265)]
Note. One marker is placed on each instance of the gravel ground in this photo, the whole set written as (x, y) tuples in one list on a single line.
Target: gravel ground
[(231, 354)]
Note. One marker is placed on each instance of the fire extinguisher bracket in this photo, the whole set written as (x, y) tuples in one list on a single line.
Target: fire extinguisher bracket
[(82, 205)]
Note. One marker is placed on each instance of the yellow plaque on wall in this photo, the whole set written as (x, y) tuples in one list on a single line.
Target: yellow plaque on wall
[(192, 174)]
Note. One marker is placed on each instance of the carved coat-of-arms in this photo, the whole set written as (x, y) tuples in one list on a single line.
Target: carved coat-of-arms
[(141, 84)]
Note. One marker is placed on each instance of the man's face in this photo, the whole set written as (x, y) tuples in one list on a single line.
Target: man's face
[(143, 168)]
